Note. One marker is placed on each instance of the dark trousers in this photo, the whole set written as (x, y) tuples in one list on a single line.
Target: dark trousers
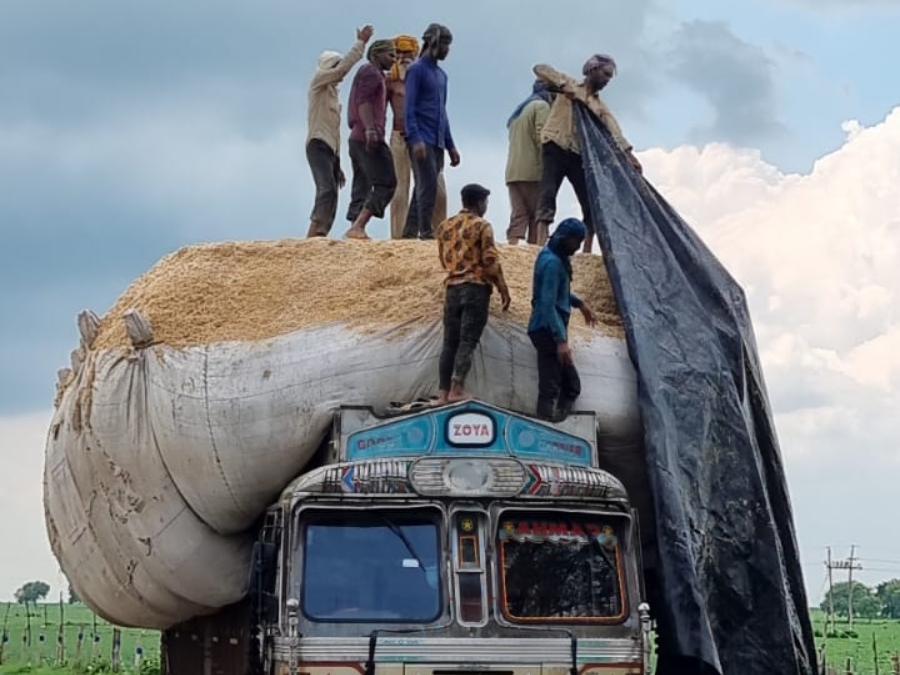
[(326, 168), (421, 208), (557, 384), (374, 180), (465, 316), (558, 164)]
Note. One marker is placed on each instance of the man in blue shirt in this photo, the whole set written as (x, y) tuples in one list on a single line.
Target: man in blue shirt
[(551, 304), (427, 128)]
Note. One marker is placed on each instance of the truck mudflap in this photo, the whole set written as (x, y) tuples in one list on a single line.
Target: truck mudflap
[(729, 594), (219, 644)]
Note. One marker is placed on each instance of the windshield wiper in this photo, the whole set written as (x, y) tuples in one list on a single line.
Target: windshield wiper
[(392, 526)]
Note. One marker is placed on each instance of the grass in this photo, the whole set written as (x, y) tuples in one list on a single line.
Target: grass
[(40, 658), (886, 634)]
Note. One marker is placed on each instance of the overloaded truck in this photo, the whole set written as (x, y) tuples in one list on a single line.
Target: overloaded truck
[(460, 539), (418, 540)]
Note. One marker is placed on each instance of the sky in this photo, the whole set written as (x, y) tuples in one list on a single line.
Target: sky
[(128, 130)]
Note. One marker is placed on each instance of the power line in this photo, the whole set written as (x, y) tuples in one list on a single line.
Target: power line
[(881, 560)]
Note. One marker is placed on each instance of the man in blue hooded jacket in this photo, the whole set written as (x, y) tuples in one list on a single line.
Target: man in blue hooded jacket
[(551, 305)]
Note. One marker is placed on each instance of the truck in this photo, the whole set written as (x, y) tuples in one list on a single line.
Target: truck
[(448, 540)]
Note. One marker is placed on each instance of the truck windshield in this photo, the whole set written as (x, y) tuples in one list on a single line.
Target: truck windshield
[(559, 568), (372, 567)]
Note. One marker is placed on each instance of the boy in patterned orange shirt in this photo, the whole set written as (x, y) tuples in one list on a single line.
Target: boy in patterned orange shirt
[(470, 257)]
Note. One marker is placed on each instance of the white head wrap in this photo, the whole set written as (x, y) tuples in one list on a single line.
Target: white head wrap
[(328, 60)]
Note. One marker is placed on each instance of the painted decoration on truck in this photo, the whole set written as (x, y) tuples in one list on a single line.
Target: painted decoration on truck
[(472, 429), (557, 531)]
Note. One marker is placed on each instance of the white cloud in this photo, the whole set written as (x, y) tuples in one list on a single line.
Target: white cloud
[(818, 253), (25, 554)]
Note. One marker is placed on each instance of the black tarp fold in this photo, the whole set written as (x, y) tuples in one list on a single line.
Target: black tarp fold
[(729, 595)]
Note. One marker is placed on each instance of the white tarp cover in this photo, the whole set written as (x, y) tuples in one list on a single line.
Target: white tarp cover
[(159, 460)]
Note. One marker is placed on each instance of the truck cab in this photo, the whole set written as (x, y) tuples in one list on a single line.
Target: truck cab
[(454, 540)]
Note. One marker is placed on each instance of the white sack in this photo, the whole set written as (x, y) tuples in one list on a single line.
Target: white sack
[(185, 448)]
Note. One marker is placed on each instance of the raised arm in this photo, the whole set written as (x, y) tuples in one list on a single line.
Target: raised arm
[(350, 59)]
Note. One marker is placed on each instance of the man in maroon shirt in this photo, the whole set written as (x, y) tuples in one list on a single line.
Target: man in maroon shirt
[(370, 157)]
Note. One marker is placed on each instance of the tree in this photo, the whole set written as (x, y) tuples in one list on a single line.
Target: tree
[(867, 606), (889, 594), (32, 592), (865, 603)]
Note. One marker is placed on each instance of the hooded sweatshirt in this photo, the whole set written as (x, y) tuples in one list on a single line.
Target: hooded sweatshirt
[(552, 298)]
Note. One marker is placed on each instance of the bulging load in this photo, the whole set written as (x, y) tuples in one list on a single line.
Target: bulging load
[(212, 382)]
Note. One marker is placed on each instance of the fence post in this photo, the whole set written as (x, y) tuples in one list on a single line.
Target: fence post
[(116, 650), (61, 636), (138, 652), (875, 652), (41, 640), (849, 670), (78, 644), (95, 640), (60, 645), (4, 638), (895, 664)]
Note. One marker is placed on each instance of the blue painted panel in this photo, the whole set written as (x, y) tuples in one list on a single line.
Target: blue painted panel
[(473, 429)]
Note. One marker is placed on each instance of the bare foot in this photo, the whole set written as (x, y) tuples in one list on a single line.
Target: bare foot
[(315, 230), (457, 393), (356, 233)]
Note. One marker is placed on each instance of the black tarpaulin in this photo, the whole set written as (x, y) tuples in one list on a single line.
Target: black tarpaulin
[(729, 595)]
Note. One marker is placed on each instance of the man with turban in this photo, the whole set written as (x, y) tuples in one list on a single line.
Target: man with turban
[(523, 163), (427, 128), (560, 150), (370, 156), (323, 135), (551, 305), (407, 48)]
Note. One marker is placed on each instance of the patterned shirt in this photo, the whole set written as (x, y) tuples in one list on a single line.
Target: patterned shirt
[(468, 252)]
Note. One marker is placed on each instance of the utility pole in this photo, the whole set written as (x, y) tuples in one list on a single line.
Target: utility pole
[(850, 568), (849, 564), (830, 619)]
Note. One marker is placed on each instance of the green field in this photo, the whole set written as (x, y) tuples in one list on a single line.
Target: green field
[(860, 649), (93, 656), (41, 658)]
